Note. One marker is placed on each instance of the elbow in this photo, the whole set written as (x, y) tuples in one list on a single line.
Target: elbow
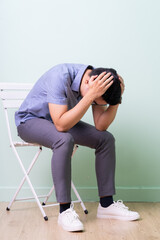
[(61, 128), (101, 128)]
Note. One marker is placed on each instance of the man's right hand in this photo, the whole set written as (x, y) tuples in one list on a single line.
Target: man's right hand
[(99, 85)]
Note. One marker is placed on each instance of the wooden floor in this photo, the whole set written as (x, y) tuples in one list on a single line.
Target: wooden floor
[(25, 222)]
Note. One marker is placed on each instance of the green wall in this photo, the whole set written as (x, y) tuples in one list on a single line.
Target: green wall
[(37, 34)]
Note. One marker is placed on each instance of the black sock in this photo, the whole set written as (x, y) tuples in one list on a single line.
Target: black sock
[(64, 207), (106, 201)]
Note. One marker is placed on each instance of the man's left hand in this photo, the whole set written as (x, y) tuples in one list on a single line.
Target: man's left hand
[(121, 84)]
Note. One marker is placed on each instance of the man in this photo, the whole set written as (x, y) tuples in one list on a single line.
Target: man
[(50, 116)]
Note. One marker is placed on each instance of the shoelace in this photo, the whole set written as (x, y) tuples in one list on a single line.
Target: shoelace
[(71, 214), (120, 205)]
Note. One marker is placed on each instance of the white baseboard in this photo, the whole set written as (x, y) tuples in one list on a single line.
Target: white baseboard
[(135, 194)]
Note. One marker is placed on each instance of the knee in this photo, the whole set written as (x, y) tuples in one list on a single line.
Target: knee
[(68, 139), (107, 138), (65, 140)]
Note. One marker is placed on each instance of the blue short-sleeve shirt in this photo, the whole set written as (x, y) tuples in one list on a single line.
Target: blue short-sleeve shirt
[(59, 85)]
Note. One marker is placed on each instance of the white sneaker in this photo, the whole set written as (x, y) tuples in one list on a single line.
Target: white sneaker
[(69, 220), (117, 210)]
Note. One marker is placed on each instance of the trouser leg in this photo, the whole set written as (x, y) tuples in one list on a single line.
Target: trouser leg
[(44, 133), (104, 144)]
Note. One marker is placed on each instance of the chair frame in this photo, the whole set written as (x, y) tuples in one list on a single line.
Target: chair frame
[(12, 95)]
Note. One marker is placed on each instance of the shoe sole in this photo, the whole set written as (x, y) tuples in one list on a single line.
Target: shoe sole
[(71, 229), (118, 217)]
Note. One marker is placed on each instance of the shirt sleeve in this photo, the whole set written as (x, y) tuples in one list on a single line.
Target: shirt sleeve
[(57, 88)]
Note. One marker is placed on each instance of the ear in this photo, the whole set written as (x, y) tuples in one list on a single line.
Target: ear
[(86, 81)]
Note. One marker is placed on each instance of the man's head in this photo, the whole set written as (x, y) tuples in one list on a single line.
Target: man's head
[(113, 94)]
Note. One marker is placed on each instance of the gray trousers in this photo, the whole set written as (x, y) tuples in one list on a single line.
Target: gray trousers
[(43, 132)]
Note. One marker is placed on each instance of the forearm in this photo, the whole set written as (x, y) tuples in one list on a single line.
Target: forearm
[(69, 118), (73, 116), (106, 118)]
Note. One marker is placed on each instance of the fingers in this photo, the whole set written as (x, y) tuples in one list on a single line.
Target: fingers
[(121, 84), (103, 76), (104, 80), (108, 84), (93, 77), (100, 83), (122, 88), (121, 79), (107, 79)]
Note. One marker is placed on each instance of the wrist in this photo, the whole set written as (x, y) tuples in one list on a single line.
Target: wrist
[(89, 96)]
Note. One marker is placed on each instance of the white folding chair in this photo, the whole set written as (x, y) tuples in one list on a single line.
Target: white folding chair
[(12, 95)]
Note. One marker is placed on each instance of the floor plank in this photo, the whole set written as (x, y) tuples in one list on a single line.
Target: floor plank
[(25, 222)]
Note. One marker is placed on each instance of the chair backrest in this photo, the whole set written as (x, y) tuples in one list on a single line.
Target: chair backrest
[(12, 95)]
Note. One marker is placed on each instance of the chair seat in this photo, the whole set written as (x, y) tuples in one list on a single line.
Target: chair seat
[(23, 144)]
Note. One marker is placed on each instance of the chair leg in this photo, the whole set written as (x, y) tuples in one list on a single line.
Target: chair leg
[(79, 198), (30, 184), (24, 179), (48, 196)]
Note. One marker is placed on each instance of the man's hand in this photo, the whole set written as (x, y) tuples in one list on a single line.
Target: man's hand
[(121, 84), (99, 85), (104, 116)]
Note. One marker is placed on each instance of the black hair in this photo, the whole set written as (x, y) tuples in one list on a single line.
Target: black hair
[(113, 94)]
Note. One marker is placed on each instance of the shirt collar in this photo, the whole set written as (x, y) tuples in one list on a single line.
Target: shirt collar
[(77, 80)]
